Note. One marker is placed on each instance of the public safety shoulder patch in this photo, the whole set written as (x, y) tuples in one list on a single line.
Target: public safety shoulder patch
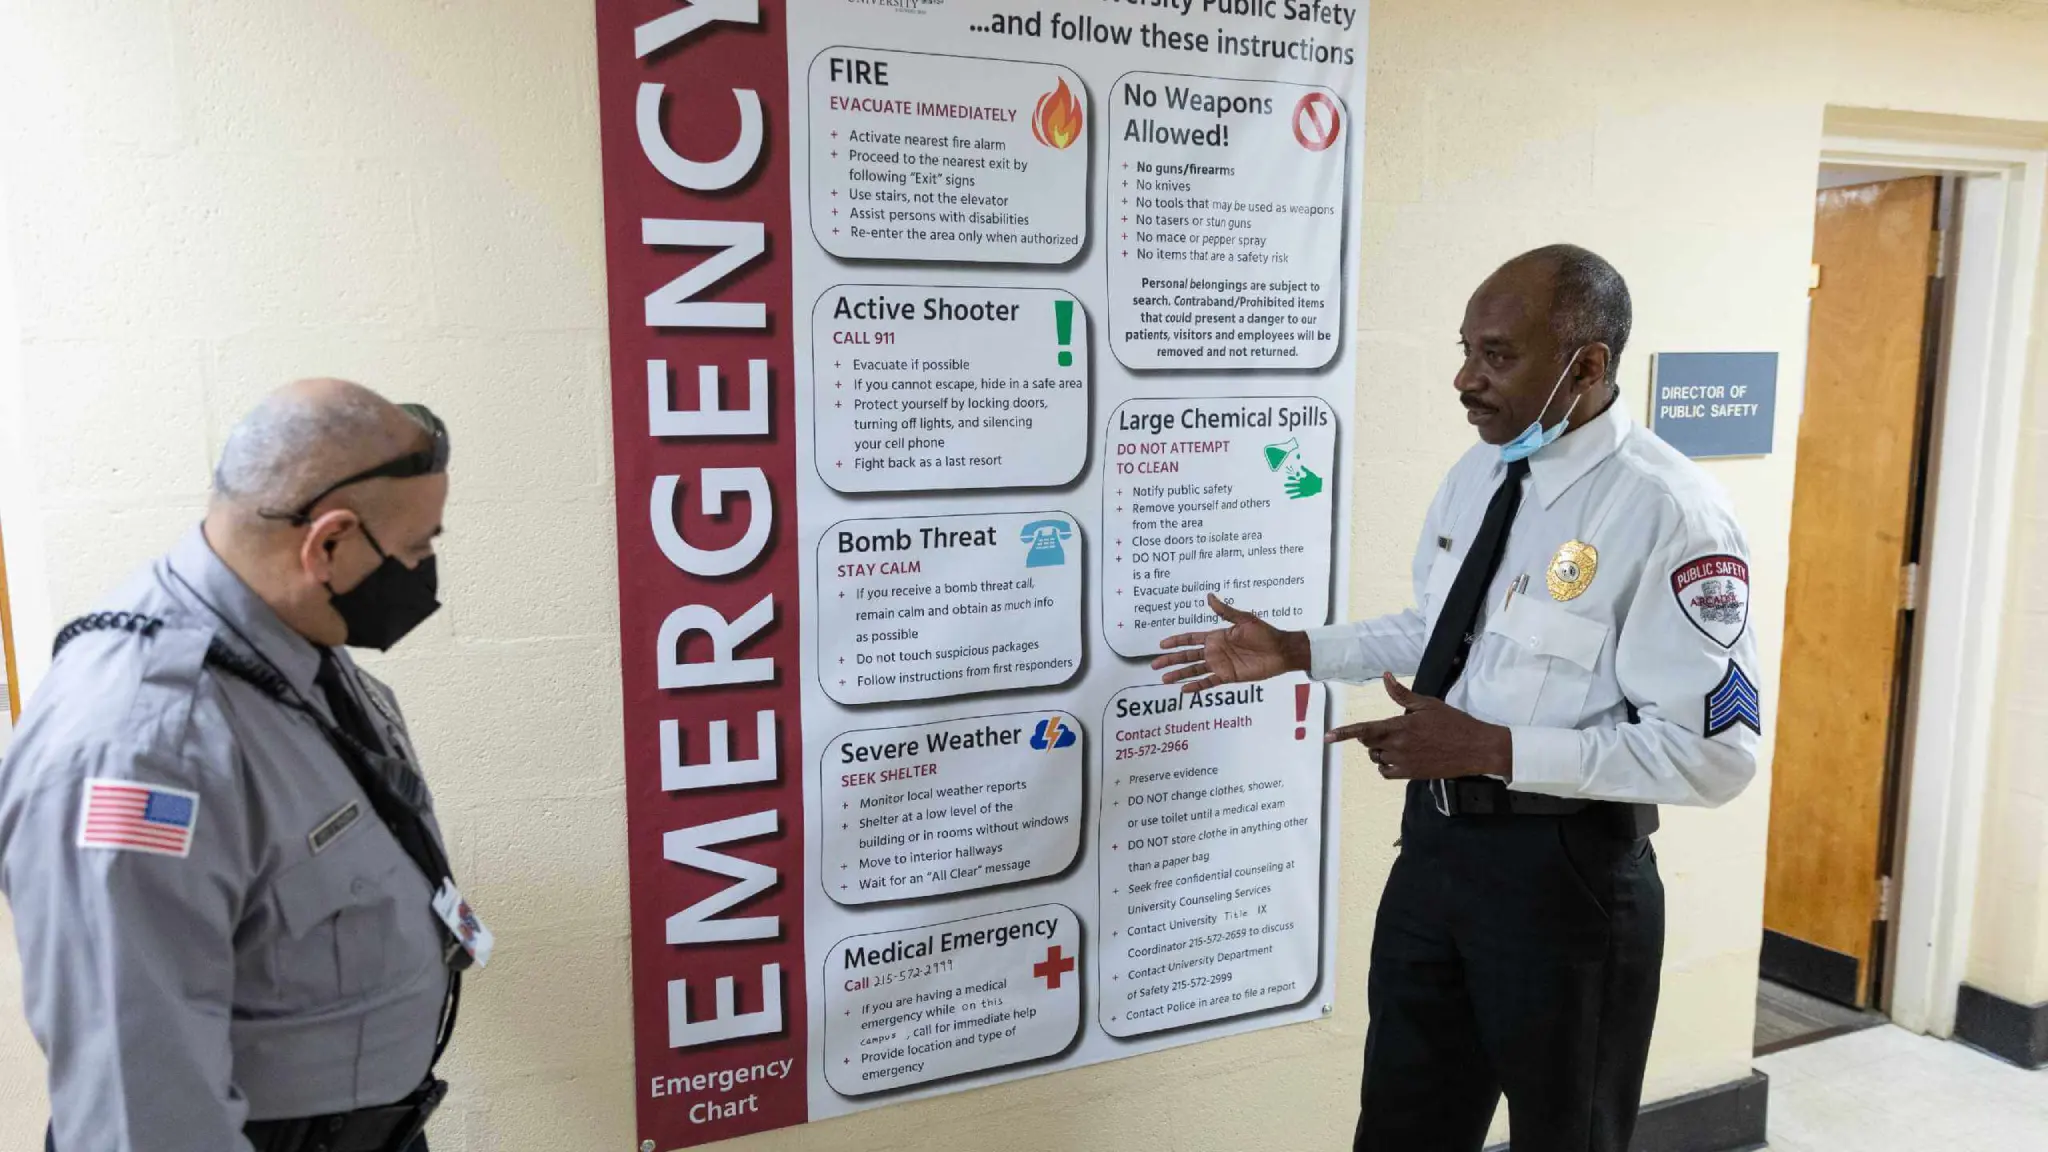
[(1713, 592), (123, 816), (1734, 701)]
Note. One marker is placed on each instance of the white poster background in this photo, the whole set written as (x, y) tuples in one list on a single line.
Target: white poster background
[(972, 59)]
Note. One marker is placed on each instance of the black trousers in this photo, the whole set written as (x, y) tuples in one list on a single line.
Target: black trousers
[(1515, 955)]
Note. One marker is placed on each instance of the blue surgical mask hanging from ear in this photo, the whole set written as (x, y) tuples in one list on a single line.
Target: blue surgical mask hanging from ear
[(1535, 437)]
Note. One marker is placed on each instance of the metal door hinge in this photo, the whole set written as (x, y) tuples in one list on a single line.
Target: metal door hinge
[(1937, 254), (1885, 894), (1909, 588), (1813, 284)]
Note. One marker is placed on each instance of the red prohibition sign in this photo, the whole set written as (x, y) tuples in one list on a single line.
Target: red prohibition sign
[(1316, 122)]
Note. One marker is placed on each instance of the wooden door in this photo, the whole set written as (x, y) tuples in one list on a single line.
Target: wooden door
[(11, 700), (1855, 514)]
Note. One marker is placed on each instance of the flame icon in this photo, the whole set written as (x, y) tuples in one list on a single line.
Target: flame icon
[(1056, 122)]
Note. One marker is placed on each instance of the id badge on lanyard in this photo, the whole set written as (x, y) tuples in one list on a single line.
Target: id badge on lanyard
[(463, 923)]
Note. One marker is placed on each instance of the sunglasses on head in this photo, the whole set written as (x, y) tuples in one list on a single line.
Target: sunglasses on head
[(429, 461)]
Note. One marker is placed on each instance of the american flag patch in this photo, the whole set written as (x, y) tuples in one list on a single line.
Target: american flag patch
[(130, 817)]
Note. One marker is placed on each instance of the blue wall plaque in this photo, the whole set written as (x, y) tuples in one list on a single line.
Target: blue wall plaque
[(1715, 403)]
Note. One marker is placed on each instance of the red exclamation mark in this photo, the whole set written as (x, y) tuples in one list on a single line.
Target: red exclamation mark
[(1301, 711)]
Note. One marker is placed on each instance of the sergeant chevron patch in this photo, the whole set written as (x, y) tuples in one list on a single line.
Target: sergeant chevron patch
[(1734, 701)]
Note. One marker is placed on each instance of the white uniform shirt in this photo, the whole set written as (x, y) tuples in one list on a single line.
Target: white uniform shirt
[(1626, 669)]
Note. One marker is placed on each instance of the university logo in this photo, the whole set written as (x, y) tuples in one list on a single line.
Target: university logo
[(913, 7), (1713, 592)]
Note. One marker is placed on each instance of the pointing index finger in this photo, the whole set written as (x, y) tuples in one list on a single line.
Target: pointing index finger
[(1372, 733)]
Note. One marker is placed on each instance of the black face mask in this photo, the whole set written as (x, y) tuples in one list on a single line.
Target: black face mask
[(390, 602)]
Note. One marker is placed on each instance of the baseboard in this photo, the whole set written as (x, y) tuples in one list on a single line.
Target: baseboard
[(1824, 972), (2016, 1033), (1725, 1118)]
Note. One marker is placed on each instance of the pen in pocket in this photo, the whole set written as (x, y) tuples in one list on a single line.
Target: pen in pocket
[(1517, 586)]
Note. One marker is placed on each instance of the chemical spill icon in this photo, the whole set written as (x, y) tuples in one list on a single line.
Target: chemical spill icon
[(1285, 458)]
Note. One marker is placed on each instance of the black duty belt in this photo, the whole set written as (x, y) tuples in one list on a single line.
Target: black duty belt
[(1484, 796), (391, 1128)]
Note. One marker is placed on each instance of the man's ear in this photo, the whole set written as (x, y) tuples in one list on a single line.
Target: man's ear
[(323, 536), (1592, 370)]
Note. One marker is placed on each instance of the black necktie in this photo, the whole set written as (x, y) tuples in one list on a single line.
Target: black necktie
[(348, 714), (399, 777), (1443, 659)]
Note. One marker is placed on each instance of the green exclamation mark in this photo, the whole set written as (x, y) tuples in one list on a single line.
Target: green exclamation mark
[(1063, 320)]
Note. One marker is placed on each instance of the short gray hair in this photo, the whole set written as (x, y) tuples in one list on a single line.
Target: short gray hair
[(1591, 302), (296, 441)]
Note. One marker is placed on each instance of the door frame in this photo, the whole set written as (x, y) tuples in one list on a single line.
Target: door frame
[(10, 700), (1952, 705)]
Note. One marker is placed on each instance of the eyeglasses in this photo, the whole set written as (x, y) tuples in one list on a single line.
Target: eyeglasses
[(429, 461)]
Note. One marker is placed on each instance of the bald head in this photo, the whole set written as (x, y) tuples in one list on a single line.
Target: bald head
[(295, 516), (304, 437)]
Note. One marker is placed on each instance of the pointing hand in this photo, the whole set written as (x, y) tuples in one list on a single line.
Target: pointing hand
[(1431, 740), (1249, 649)]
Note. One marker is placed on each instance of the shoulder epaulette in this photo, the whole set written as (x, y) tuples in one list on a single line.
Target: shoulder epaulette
[(135, 622)]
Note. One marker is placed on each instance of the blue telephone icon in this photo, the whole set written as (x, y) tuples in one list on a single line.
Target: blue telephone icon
[(1044, 536)]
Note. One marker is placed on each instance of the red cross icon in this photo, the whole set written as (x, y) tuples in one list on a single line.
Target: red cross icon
[(1053, 967)]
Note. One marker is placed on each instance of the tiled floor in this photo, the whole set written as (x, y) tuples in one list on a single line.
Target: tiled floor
[(1887, 1090)]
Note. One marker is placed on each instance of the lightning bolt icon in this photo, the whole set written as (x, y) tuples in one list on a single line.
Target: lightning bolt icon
[(1052, 733)]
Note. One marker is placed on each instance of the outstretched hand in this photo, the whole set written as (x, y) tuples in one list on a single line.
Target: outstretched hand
[(1249, 649), (1430, 740)]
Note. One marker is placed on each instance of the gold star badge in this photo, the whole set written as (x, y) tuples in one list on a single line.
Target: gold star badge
[(1571, 570)]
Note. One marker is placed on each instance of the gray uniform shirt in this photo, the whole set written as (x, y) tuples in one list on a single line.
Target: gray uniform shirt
[(288, 965)]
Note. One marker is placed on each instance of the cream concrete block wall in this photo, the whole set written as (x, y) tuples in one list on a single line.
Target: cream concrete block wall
[(208, 198)]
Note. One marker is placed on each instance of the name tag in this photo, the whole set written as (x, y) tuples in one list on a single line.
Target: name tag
[(331, 828), (463, 923)]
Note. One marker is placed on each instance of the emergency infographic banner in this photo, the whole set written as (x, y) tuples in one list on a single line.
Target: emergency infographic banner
[(959, 350)]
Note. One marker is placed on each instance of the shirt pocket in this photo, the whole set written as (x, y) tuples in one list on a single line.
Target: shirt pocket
[(1442, 574), (339, 914), (1548, 657)]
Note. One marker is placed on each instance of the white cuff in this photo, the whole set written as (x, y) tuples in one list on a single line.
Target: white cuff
[(1547, 760), (1330, 652)]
